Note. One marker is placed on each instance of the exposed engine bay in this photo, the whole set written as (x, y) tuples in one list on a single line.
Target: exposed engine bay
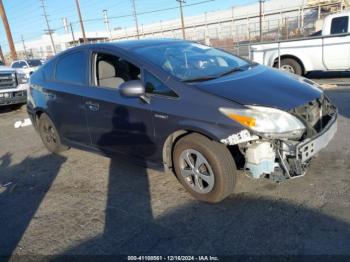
[(281, 159)]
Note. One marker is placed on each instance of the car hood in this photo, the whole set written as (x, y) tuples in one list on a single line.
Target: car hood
[(264, 86)]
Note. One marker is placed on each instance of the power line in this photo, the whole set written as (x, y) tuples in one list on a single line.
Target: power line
[(145, 12), (48, 26), (33, 36)]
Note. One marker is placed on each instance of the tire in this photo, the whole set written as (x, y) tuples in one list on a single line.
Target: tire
[(17, 107), (221, 167), (49, 135), (291, 65)]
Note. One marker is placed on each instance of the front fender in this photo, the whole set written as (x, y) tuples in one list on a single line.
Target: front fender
[(211, 130)]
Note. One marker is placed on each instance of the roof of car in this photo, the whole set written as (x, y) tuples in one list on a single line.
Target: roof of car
[(127, 45), (133, 44)]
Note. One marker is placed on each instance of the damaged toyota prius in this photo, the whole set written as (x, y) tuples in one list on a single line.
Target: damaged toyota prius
[(202, 113)]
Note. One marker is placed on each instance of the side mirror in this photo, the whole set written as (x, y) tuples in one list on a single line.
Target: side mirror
[(133, 88), (25, 67)]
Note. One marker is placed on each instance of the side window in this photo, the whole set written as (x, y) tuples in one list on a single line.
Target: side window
[(22, 64), (156, 87), (112, 71), (340, 25), (15, 65), (72, 68)]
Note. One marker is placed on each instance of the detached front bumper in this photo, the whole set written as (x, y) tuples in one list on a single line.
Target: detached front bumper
[(284, 159), (293, 159), (311, 146)]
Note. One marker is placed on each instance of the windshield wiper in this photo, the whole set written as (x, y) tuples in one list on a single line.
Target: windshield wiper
[(199, 79), (232, 70), (238, 69)]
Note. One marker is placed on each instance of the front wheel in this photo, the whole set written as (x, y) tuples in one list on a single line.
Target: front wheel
[(204, 167), (291, 65)]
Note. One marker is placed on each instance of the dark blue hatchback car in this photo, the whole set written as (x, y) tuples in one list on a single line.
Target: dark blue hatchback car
[(200, 112)]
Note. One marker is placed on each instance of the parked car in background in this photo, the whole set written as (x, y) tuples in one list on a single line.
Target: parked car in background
[(28, 66), (13, 86), (327, 50), (201, 112)]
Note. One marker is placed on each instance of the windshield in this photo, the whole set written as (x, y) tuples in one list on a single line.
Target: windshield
[(34, 62), (191, 61)]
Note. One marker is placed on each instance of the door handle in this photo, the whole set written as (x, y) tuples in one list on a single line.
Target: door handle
[(92, 106)]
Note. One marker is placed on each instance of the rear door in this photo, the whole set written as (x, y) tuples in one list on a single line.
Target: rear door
[(64, 96), (117, 124), (336, 49)]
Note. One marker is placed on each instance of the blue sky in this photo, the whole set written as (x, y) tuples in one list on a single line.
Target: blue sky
[(25, 16)]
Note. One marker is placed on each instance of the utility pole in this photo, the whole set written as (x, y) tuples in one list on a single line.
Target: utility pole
[(81, 21), (135, 17), (49, 31), (261, 2), (8, 31), (71, 30), (2, 56), (181, 2), (24, 47), (105, 15)]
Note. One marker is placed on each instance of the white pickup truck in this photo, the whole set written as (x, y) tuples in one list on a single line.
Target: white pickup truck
[(13, 86), (327, 50)]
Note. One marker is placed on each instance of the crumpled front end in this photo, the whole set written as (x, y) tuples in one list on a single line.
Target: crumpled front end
[(281, 159)]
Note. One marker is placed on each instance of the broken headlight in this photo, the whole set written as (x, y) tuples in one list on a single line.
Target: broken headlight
[(267, 122)]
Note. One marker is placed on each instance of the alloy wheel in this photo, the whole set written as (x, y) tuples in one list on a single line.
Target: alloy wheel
[(196, 171)]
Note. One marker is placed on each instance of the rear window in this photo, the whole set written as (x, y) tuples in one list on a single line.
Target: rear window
[(340, 25), (72, 68), (34, 62)]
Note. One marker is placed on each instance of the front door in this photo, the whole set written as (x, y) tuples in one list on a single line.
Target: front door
[(117, 124)]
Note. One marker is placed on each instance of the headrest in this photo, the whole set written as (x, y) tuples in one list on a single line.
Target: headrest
[(106, 70)]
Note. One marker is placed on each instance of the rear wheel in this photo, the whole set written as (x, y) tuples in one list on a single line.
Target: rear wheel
[(204, 167), (49, 135), (291, 65)]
